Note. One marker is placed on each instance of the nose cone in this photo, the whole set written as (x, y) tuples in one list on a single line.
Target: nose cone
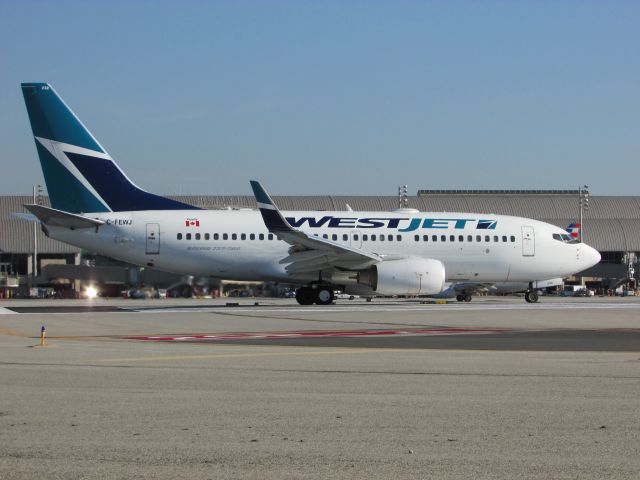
[(590, 256)]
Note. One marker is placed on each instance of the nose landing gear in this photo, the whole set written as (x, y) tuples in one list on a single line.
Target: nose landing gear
[(531, 296)]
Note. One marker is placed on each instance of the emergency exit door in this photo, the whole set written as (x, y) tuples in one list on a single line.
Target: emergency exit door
[(153, 238), (528, 242), (355, 238)]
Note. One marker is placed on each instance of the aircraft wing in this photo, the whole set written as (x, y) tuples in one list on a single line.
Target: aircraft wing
[(308, 253), (59, 218)]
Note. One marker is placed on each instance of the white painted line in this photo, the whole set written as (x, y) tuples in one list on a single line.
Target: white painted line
[(6, 311), (390, 308), (346, 308)]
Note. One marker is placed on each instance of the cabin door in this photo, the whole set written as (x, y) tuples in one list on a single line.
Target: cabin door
[(153, 239), (528, 242)]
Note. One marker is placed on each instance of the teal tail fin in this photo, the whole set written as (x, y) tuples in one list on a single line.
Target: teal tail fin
[(79, 173)]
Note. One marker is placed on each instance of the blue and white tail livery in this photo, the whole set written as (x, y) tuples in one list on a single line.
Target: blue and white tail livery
[(80, 175), (97, 208)]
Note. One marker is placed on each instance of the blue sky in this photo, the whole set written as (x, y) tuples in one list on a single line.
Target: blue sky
[(345, 97)]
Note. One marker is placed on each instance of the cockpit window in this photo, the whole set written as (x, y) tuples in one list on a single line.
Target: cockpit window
[(565, 238)]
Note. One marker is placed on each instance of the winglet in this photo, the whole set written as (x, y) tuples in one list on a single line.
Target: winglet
[(272, 217)]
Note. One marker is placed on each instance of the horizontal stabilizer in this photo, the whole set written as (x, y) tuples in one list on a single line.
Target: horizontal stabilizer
[(29, 217), (58, 218)]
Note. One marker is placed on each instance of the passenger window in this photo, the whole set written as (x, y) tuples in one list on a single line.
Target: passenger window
[(461, 238), (416, 238), (469, 238), (207, 236), (356, 237), (243, 236), (252, 236), (188, 236), (197, 236), (513, 239), (324, 235), (373, 238), (334, 237), (390, 238), (434, 238), (216, 236), (452, 238), (443, 238), (399, 238), (345, 237), (270, 236), (179, 236), (495, 238), (261, 236), (234, 236), (504, 238), (487, 238), (365, 237), (225, 236), (382, 238), (478, 238)]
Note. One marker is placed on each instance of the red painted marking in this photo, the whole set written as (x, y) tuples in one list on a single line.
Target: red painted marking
[(323, 334)]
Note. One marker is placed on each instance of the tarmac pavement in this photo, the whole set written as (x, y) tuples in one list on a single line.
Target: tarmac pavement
[(95, 403)]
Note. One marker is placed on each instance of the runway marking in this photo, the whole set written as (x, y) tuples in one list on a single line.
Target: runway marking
[(337, 309), (389, 308), (341, 351), (322, 334), (15, 333)]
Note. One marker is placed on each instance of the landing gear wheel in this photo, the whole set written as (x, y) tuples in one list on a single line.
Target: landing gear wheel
[(305, 296), (323, 296), (460, 298), (531, 297), (467, 297)]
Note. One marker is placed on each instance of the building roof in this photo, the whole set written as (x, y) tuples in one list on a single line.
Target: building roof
[(612, 223)]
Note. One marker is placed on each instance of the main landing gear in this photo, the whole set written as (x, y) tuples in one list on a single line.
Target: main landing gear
[(316, 293), (463, 297)]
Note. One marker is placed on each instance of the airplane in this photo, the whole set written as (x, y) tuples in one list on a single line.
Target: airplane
[(96, 207)]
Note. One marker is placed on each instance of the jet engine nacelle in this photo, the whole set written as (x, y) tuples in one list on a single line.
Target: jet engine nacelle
[(409, 276)]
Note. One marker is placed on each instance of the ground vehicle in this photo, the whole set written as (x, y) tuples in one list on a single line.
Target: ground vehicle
[(577, 291)]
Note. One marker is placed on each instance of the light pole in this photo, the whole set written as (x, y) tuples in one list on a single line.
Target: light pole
[(37, 191), (583, 199), (403, 201)]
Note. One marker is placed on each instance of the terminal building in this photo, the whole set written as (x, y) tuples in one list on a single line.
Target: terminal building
[(611, 224)]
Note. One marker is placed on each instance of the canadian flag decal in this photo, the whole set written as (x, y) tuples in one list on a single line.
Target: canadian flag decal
[(192, 222)]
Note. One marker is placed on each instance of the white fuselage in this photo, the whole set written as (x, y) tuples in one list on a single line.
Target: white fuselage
[(235, 244)]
